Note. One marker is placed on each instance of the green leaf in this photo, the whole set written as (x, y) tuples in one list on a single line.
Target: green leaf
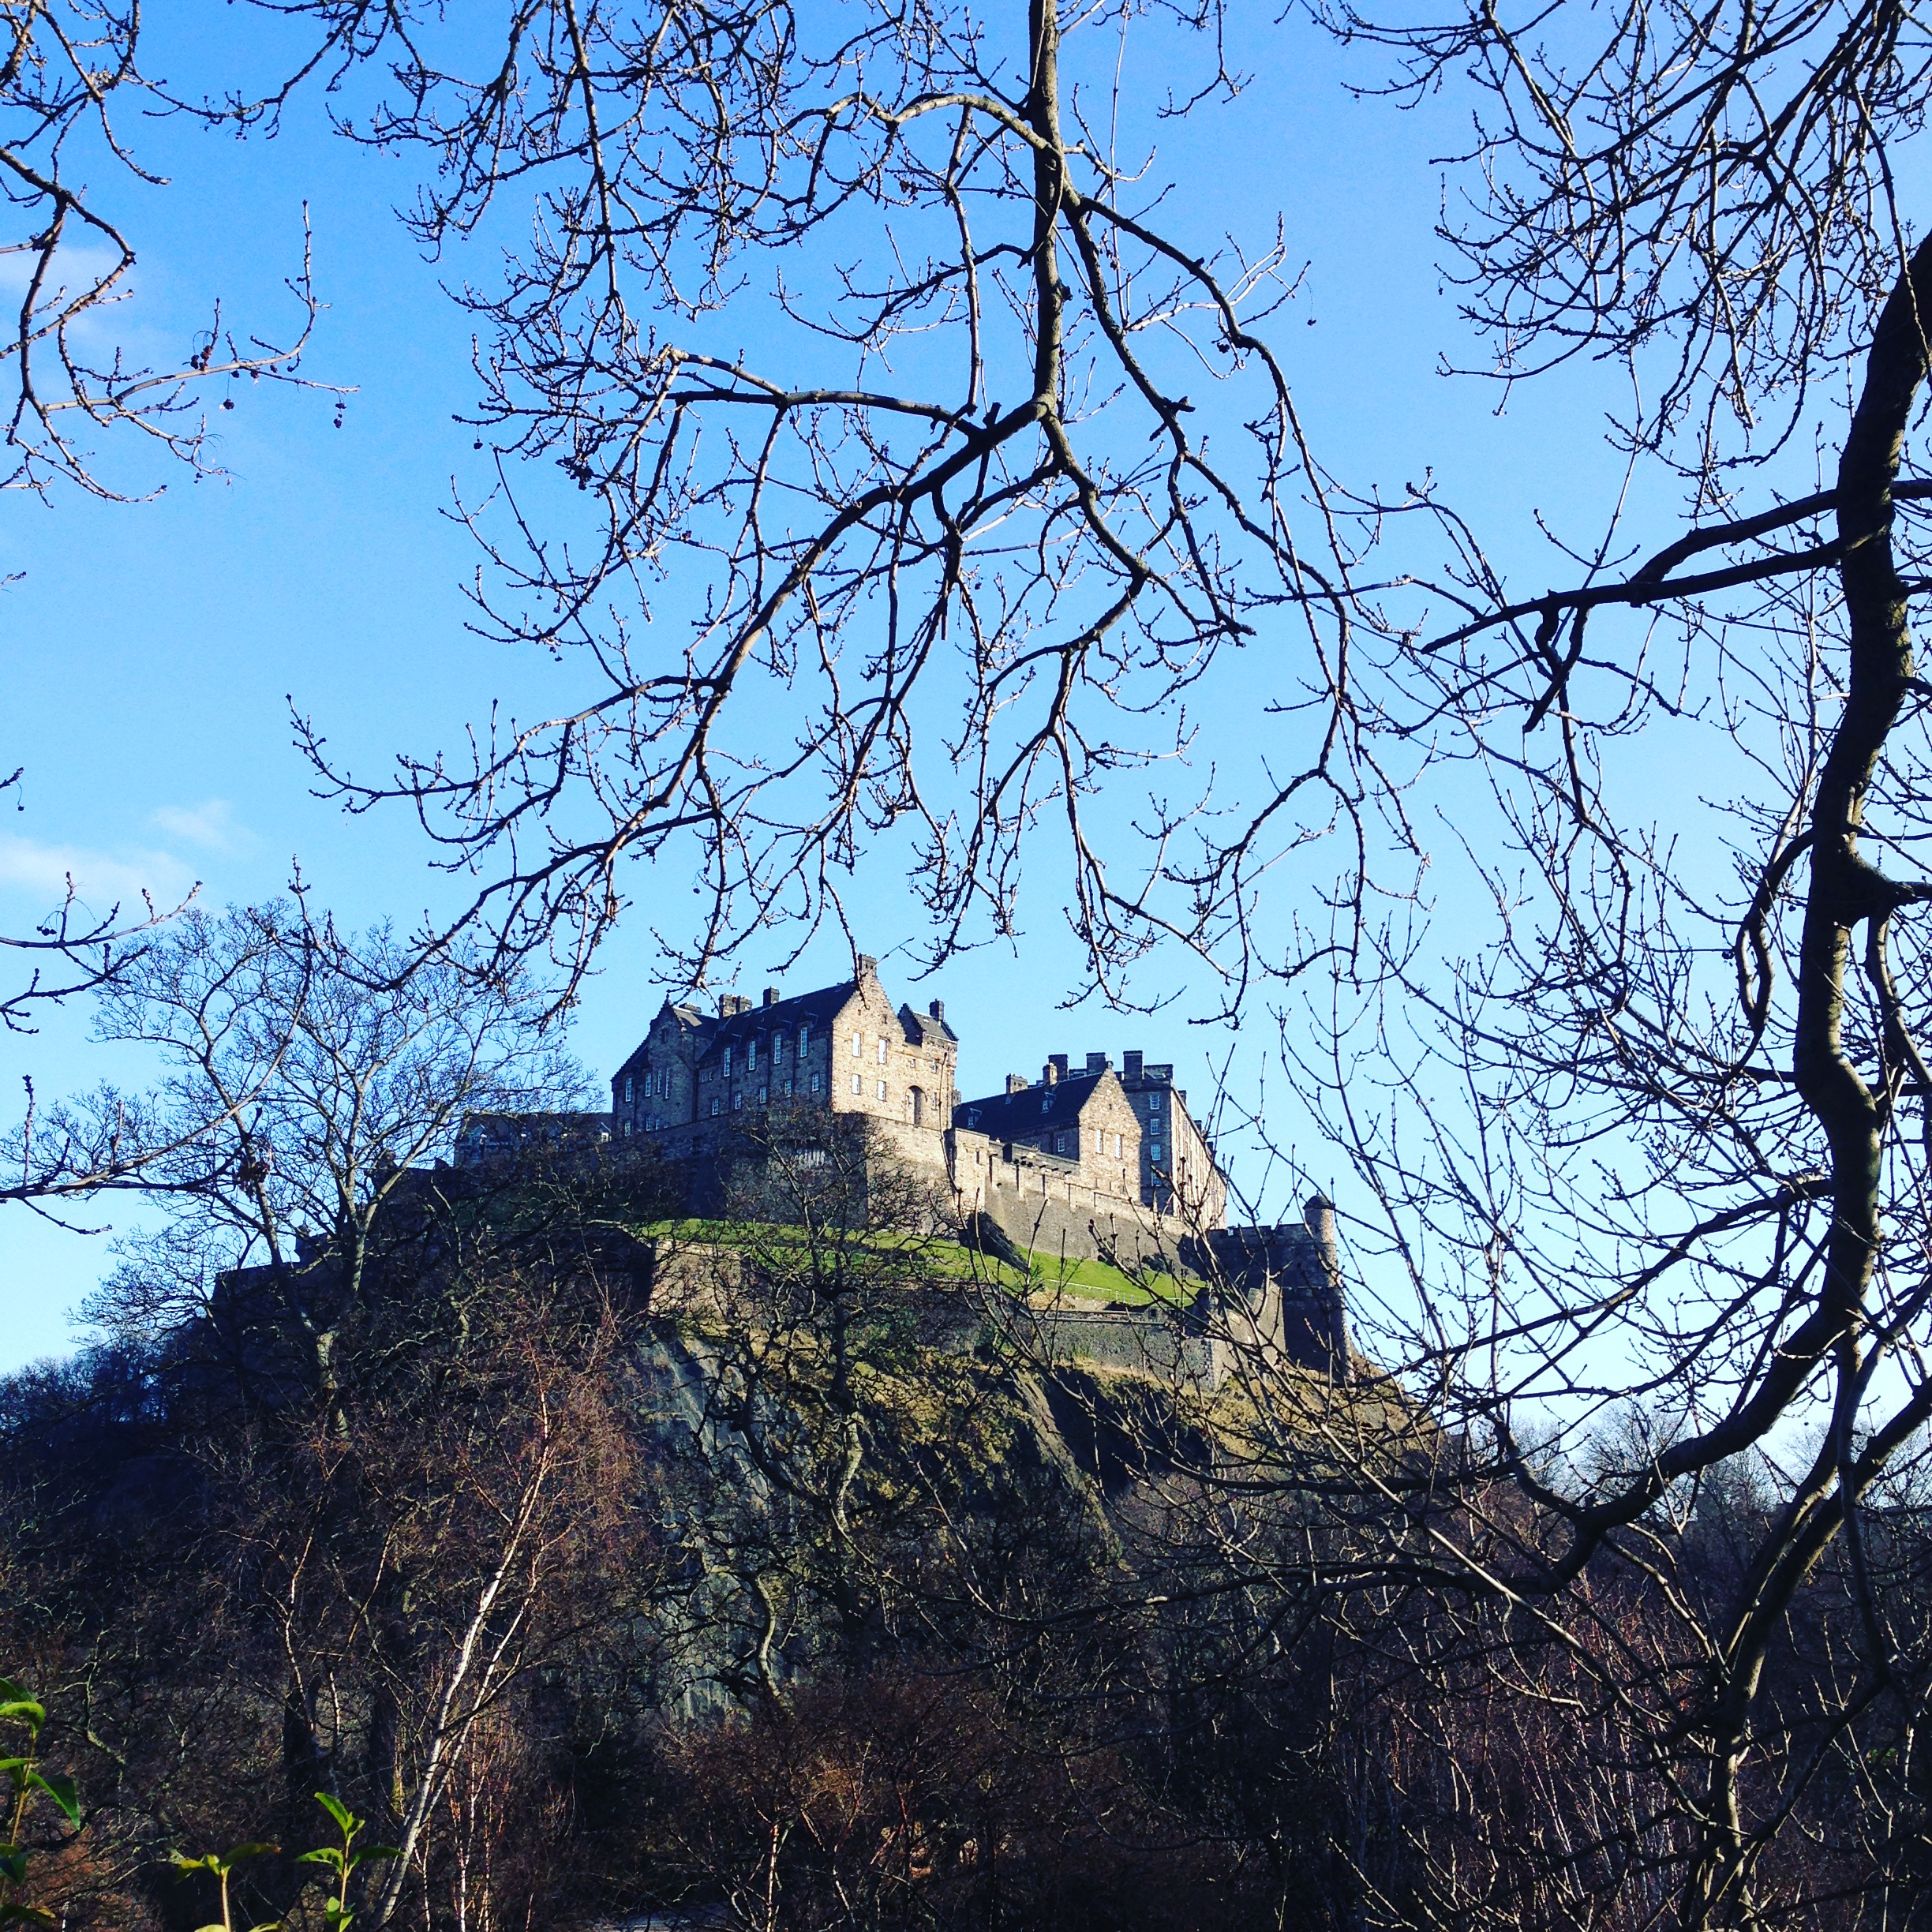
[(9, 1689), (61, 1789), (339, 1812), (322, 1854), (256, 1847), (26, 1710), (25, 1914), (205, 1862), (383, 1851)]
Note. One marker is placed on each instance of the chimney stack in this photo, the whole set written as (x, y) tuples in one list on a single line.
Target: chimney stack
[(868, 967), (771, 996), (1055, 1069), (1097, 1063), (937, 1010), (1015, 1082), (1132, 1062)]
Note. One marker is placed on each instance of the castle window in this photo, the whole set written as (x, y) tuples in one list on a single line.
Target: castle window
[(1059, 1144), (737, 1101), (882, 1049), (815, 1079), (764, 1096), (627, 1090), (1119, 1146), (858, 1083), (804, 1040), (727, 1063), (858, 1046), (881, 1089), (751, 1056), (1046, 1101)]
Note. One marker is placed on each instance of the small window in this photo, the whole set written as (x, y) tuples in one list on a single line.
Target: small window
[(804, 1040), (815, 1079), (1046, 1102), (858, 1046), (751, 1056), (1119, 1146), (727, 1063), (628, 1095), (882, 1049), (1059, 1144), (737, 1101), (881, 1089), (858, 1083)]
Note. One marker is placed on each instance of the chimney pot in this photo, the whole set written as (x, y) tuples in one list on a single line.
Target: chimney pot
[(1058, 1063)]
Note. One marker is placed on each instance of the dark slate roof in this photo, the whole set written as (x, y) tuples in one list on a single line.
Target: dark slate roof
[(923, 1030), (818, 1008), (1020, 1117)]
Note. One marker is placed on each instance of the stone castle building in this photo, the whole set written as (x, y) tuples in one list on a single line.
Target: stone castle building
[(1090, 1141), (1086, 1162)]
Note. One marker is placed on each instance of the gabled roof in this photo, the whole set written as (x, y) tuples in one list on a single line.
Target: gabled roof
[(922, 1029), (1019, 1116), (818, 1008)]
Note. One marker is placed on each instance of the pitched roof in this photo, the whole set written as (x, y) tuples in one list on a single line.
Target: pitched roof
[(820, 1007), (1019, 1116), (925, 1029)]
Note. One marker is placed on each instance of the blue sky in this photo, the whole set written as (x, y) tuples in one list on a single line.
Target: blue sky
[(151, 649)]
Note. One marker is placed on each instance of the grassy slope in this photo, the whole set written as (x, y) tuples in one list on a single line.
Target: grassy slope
[(1087, 1281)]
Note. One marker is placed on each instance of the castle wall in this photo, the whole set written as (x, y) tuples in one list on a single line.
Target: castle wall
[(1053, 1208)]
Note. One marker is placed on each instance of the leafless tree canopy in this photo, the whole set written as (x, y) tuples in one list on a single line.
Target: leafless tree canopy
[(889, 465)]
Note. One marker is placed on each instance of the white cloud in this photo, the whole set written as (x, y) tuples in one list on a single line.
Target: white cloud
[(209, 825), (101, 880)]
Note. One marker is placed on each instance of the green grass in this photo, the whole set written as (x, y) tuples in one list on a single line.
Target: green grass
[(1094, 1281)]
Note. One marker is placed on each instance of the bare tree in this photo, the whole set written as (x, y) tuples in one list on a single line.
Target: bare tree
[(313, 1079), (964, 530)]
